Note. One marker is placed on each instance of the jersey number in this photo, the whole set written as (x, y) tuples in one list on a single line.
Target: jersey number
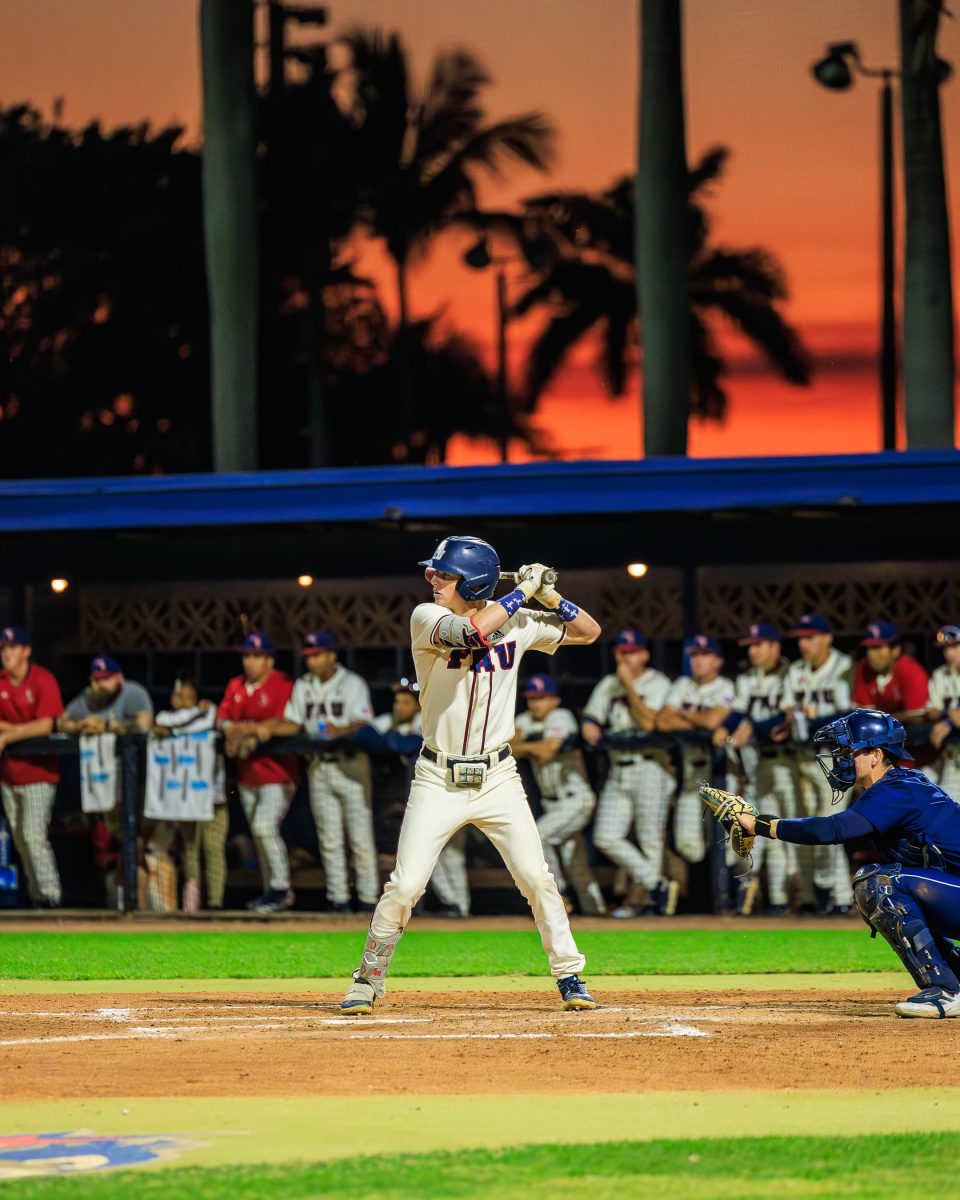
[(502, 655)]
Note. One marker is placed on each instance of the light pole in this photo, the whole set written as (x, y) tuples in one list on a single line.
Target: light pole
[(834, 72)]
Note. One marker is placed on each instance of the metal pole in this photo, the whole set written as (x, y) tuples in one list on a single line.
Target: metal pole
[(502, 394), (129, 792), (888, 327), (277, 21)]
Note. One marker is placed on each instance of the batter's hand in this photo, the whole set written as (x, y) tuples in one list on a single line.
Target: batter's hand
[(530, 578), (548, 596)]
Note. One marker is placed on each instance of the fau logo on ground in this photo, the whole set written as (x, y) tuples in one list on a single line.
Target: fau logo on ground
[(27, 1155), (502, 656)]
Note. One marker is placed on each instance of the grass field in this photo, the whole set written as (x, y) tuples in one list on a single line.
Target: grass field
[(733, 1169), (463, 953)]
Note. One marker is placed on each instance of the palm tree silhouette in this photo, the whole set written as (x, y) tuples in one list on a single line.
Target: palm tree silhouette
[(418, 154), (590, 286)]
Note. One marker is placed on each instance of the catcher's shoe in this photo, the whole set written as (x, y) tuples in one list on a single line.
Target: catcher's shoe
[(273, 900), (359, 999), (574, 993), (932, 1002)]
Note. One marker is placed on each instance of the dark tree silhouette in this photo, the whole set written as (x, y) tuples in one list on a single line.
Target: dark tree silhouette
[(590, 286)]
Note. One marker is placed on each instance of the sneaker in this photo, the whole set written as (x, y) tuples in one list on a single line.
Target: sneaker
[(450, 911), (775, 910), (273, 900), (358, 1001), (337, 906), (664, 897), (624, 912), (575, 995), (935, 1002)]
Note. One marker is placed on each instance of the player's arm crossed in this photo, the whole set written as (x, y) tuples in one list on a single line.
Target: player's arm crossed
[(544, 750)]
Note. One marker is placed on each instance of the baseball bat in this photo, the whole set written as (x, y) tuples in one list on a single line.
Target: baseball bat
[(549, 576)]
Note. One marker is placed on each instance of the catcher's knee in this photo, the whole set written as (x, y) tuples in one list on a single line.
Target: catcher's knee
[(867, 891)]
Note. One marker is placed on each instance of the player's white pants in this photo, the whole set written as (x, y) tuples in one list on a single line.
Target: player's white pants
[(265, 807), (563, 818), (636, 793), (945, 771), (689, 827), (770, 783), (449, 879), (341, 801), (435, 811), (826, 865), (29, 807)]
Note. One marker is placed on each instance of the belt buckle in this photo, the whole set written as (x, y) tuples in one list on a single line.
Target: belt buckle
[(468, 774)]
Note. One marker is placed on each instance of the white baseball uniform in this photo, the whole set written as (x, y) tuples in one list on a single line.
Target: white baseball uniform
[(568, 803), (944, 694), (637, 789), (769, 776), (468, 699), (689, 829), (339, 780), (813, 693)]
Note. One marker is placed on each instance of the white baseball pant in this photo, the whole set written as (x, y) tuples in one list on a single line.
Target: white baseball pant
[(770, 783), (265, 807), (435, 811), (636, 793), (29, 807), (689, 827), (449, 879), (341, 802), (564, 849)]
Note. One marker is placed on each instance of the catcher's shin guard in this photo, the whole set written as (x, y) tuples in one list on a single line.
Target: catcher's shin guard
[(897, 917), (375, 963)]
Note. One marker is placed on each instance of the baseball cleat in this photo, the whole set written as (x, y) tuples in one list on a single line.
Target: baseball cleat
[(358, 1001), (932, 1002), (574, 993), (273, 900)]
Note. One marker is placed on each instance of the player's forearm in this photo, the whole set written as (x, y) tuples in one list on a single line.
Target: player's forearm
[(278, 727), (583, 630), (544, 752), (41, 727), (711, 719), (643, 714), (671, 720)]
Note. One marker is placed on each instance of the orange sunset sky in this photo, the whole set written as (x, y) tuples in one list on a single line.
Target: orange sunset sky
[(802, 181)]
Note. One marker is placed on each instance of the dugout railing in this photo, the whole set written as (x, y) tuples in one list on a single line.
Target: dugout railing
[(131, 747)]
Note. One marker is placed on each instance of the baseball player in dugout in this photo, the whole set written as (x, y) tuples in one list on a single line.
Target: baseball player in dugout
[(766, 766), (467, 650), (29, 704), (330, 704), (818, 689), (701, 700), (943, 711), (888, 678), (636, 794), (266, 782), (548, 736), (912, 896)]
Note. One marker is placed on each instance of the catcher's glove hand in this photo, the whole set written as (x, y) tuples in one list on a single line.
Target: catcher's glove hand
[(725, 806)]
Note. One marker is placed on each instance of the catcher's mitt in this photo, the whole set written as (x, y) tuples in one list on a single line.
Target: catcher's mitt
[(725, 806)]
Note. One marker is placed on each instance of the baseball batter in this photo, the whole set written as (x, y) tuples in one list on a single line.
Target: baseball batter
[(467, 650), (943, 711), (637, 790), (549, 737), (818, 687), (701, 700)]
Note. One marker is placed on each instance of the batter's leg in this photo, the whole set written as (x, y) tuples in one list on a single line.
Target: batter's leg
[(450, 880)]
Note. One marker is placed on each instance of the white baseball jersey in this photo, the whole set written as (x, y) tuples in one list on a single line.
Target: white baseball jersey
[(759, 694), (609, 707), (343, 699), (468, 691), (567, 766), (820, 691), (688, 696), (944, 688), (384, 723)]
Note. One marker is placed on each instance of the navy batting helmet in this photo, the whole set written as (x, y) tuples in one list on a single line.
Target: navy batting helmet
[(864, 729), (473, 559)]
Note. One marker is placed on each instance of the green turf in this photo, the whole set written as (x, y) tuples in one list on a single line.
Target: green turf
[(461, 952), (754, 1168)]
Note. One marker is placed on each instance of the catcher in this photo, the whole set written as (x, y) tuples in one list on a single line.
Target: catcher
[(912, 897)]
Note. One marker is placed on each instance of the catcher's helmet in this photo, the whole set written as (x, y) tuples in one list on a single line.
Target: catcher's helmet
[(864, 729), (473, 559)]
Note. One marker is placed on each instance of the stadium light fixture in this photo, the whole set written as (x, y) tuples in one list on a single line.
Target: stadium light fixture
[(305, 581), (59, 585), (637, 570)]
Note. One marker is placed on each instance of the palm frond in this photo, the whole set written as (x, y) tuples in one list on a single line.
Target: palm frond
[(550, 350), (754, 272), (613, 350), (770, 333), (708, 398), (529, 138), (573, 283), (709, 169)]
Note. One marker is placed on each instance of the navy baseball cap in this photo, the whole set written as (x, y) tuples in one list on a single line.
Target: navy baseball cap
[(632, 639), (103, 666), (14, 635), (762, 631), (540, 685), (318, 640), (948, 635), (880, 633), (257, 643), (702, 644), (811, 623)]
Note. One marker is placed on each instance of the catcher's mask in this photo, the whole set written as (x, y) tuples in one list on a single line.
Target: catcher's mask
[(866, 729), (471, 558)]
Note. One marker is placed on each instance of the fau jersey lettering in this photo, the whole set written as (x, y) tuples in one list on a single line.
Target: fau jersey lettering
[(502, 655)]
